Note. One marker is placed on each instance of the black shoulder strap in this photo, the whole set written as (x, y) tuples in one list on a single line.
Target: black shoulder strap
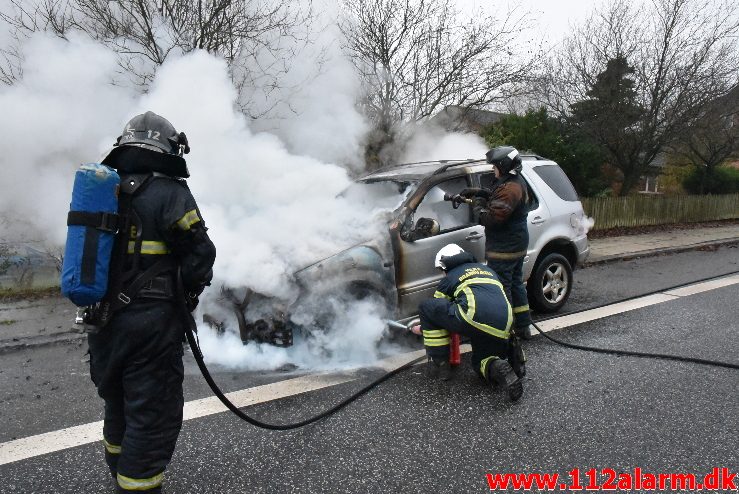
[(123, 285)]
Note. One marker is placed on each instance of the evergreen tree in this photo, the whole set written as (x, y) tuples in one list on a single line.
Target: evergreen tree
[(539, 133), (612, 118)]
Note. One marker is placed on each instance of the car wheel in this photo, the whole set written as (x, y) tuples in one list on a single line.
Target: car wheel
[(550, 285)]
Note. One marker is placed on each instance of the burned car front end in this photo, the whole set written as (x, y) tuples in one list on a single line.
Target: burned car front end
[(364, 271)]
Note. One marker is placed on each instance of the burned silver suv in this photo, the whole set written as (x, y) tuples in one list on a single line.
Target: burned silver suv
[(398, 267)]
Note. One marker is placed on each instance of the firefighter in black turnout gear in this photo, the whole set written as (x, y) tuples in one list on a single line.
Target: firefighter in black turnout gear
[(503, 211), (470, 301), (163, 259)]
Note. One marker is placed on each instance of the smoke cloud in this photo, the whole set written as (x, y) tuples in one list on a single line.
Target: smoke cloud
[(270, 210), (432, 143), (267, 188), (56, 117)]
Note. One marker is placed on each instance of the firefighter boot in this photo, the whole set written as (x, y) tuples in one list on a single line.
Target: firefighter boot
[(502, 374), (438, 369)]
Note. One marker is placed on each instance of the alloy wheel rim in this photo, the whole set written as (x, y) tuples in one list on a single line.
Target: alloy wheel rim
[(555, 283)]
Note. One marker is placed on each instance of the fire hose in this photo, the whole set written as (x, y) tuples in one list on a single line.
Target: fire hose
[(190, 331)]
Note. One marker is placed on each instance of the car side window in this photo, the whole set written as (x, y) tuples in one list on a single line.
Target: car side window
[(434, 206), (487, 180), (556, 178)]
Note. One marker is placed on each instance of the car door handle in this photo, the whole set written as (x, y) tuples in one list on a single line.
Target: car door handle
[(474, 236), (537, 220)]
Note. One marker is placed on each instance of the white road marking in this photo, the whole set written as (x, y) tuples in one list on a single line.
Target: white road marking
[(638, 303), (608, 310), (704, 287), (50, 442)]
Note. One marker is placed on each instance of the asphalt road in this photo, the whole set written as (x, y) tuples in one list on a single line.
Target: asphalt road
[(579, 410)]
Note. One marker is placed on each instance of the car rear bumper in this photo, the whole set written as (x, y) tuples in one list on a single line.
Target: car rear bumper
[(583, 249)]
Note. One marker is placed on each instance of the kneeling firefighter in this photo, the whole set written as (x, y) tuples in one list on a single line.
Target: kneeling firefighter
[(471, 301), (162, 259)]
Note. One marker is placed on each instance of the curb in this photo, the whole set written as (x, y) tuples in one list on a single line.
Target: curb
[(661, 251), (30, 342)]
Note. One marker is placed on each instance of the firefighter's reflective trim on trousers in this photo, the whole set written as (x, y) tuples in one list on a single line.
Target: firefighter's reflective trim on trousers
[(113, 449), (129, 484), (504, 256), (472, 307), (484, 365), (149, 247), (521, 308), (438, 294), (436, 337), (189, 219)]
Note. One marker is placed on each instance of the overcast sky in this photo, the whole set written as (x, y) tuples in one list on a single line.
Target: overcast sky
[(551, 17), (555, 15)]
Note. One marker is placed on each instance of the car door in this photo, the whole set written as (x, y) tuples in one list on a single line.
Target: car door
[(418, 277)]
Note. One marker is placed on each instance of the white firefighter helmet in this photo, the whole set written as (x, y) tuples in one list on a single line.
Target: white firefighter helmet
[(446, 251)]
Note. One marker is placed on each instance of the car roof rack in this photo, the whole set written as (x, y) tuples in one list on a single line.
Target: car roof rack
[(450, 163), (446, 164)]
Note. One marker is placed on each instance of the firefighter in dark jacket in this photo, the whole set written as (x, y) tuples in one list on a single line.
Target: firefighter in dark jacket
[(136, 353), (503, 211), (470, 301)]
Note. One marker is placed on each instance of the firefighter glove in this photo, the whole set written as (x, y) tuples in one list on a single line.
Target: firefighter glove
[(475, 192), (479, 205)]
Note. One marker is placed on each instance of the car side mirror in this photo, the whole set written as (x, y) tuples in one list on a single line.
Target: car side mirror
[(425, 227)]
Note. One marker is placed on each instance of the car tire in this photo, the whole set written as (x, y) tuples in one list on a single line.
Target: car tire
[(551, 283)]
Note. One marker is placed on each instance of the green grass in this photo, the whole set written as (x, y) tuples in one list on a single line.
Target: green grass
[(8, 322), (12, 294)]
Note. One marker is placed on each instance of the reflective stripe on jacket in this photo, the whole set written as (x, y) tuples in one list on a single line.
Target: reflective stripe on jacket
[(477, 294)]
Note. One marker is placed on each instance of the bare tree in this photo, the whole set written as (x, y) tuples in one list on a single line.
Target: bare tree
[(682, 55), (417, 56), (712, 138), (145, 32)]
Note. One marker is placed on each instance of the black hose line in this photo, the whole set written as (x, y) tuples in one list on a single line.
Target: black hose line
[(634, 297), (283, 427), (630, 353), (195, 347), (715, 363)]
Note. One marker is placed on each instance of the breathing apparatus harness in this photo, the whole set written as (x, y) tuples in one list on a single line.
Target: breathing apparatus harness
[(191, 333)]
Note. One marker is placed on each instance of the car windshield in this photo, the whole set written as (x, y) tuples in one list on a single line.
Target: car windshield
[(385, 195)]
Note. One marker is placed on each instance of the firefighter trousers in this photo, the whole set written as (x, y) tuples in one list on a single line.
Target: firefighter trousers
[(136, 365), (510, 272), (439, 318)]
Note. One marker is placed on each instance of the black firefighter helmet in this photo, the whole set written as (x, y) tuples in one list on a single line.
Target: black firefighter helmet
[(153, 132), (505, 158)]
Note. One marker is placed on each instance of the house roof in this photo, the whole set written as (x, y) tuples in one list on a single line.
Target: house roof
[(463, 118)]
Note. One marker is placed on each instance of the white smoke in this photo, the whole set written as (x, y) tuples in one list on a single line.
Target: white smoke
[(355, 339), (269, 211), (587, 224), (268, 197), (433, 143), (314, 108), (59, 115)]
